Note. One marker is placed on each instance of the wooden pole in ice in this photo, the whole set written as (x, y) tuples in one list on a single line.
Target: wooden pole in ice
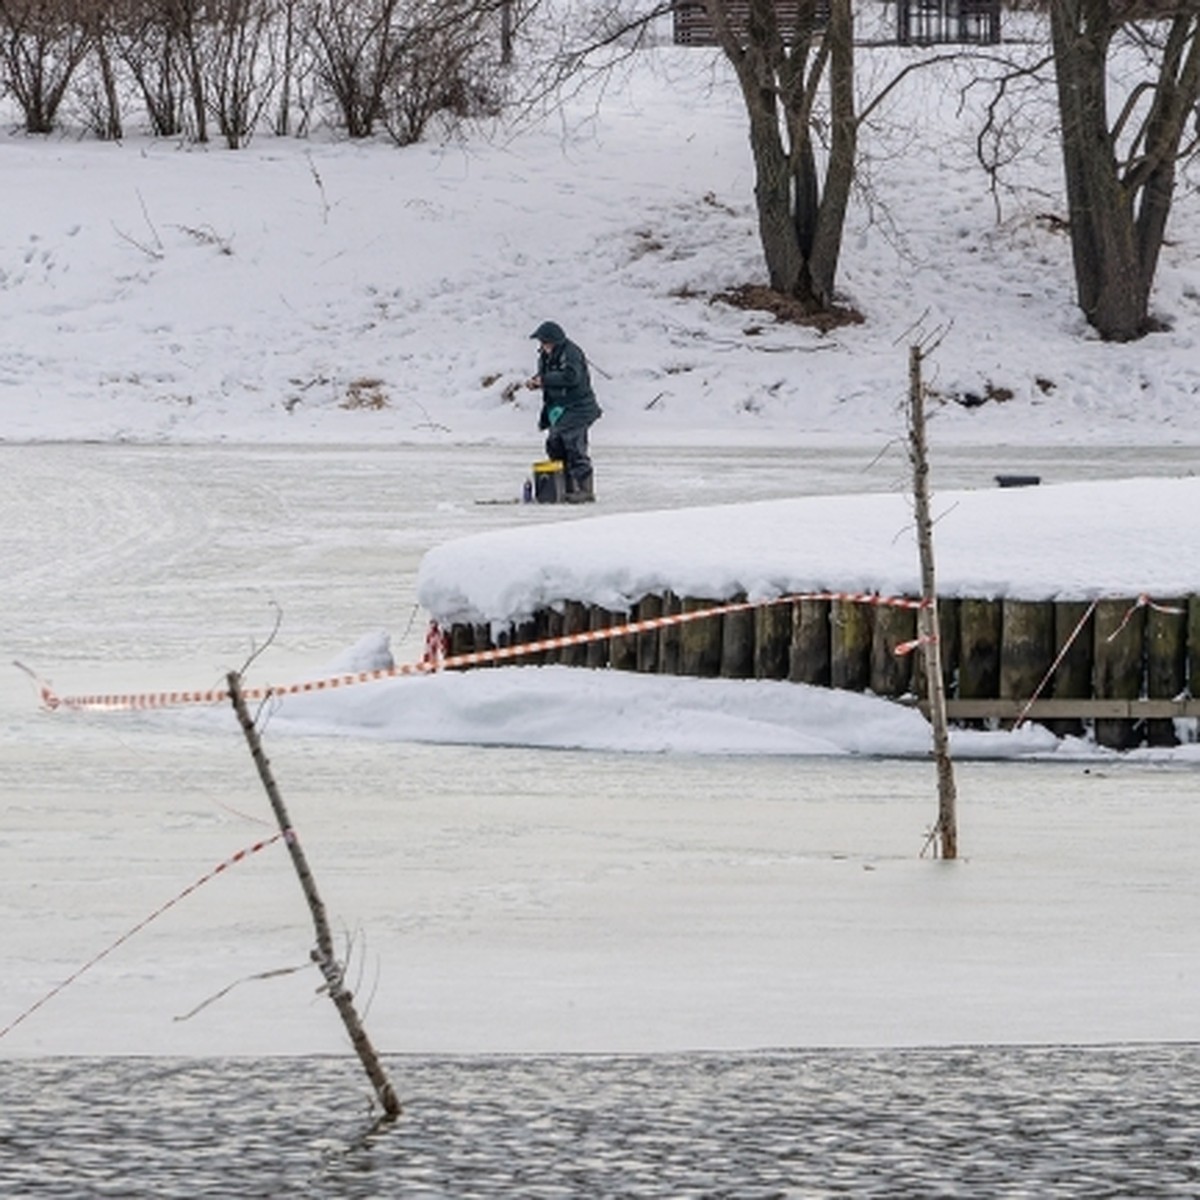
[(946, 831), (323, 955)]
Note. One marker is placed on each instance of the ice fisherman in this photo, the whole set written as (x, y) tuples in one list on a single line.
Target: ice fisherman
[(569, 407)]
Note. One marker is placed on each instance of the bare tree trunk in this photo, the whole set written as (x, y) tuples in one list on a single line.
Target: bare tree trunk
[(287, 52), (323, 955), (801, 214), (188, 15), (507, 34), (1101, 217), (927, 624), (1120, 178), (830, 223), (111, 130)]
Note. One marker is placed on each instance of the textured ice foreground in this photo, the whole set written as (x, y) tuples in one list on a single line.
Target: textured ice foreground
[(512, 898)]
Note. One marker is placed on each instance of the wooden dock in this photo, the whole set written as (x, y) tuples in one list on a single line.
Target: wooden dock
[(1128, 667)]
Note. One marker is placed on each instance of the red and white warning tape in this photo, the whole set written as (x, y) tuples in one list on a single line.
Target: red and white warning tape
[(125, 702), (232, 860), (437, 657), (1143, 601), (649, 624)]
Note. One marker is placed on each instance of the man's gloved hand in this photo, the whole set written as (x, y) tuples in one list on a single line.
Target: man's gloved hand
[(555, 415)]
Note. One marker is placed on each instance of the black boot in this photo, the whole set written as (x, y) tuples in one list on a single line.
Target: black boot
[(581, 491)]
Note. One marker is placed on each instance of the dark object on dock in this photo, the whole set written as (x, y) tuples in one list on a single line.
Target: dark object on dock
[(1007, 481)]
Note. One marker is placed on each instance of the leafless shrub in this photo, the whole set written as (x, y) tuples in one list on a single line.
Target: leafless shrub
[(239, 77), (440, 70), (150, 42), (290, 52), (42, 43), (357, 47), (398, 63), (99, 86), (95, 99), (237, 66)]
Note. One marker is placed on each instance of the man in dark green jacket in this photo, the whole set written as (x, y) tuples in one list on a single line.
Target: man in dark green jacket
[(568, 407)]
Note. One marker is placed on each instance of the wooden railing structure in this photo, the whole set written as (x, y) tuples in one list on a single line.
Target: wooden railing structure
[(918, 22), (1128, 666)]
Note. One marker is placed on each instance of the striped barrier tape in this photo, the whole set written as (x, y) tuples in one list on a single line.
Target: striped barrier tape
[(130, 701), (903, 648), (232, 860), (437, 657), (1143, 601), (649, 624), (1091, 608)]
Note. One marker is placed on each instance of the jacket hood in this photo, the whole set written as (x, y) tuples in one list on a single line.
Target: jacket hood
[(548, 331)]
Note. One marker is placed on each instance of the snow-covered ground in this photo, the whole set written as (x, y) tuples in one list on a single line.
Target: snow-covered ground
[(322, 291), (1128, 538)]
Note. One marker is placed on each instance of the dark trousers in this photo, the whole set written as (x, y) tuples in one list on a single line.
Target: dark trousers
[(570, 447)]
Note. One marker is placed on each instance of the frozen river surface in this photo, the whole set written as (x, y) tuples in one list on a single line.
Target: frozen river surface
[(509, 899), (592, 974)]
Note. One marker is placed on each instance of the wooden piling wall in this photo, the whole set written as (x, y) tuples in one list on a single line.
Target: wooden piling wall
[(996, 654)]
